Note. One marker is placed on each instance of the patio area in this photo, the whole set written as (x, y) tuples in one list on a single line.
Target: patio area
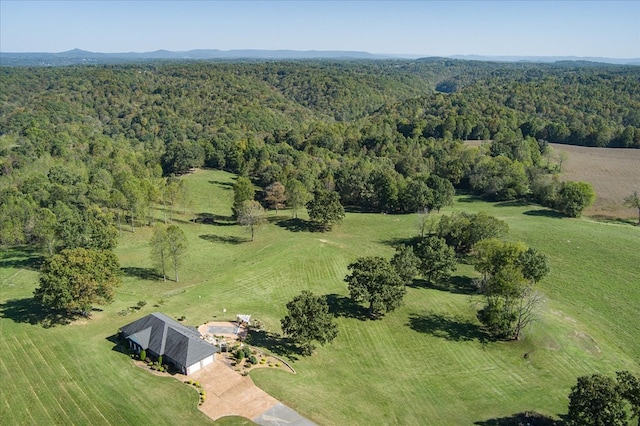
[(223, 333)]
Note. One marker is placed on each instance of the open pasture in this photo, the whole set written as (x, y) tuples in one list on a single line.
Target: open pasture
[(427, 362)]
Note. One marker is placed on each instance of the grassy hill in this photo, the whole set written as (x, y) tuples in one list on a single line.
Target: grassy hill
[(426, 362)]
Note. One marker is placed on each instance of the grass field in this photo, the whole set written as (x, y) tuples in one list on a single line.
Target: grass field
[(427, 362)]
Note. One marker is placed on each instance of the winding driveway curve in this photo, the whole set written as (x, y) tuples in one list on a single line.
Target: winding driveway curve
[(230, 394)]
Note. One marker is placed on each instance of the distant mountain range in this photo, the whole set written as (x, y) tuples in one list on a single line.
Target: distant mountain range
[(77, 56)]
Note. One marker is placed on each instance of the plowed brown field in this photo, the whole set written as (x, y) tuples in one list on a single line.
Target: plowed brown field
[(613, 172)]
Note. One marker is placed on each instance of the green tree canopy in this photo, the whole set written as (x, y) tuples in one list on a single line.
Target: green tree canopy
[(442, 192), (375, 281), (629, 388), (243, 190), (308, 320), (160, 250), (437, 259), (574, 197), (596, 400), (325, 209), (75, 279), (297, 195), (463, 230), (406, 263), (510, 271)]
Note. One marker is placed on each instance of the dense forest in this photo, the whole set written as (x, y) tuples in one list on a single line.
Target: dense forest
[(84, 146)]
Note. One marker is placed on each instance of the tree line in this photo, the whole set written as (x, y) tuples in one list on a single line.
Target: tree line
[(85, 152)]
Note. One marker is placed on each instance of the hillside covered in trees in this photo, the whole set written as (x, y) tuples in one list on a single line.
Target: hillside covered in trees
[(386, 135)]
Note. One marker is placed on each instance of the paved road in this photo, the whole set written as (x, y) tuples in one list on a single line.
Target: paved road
[(279, 415)]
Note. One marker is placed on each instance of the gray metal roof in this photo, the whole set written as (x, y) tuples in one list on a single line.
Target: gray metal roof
[(165, 336)]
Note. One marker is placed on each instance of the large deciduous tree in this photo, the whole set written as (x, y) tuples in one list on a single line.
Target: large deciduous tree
[(75, 279), (510, 272), (325, 209), (437, 259), (308, 320), (91, 228), (499, 178), (252, 215), (276, 196), (600, 400), (406, 263), (633, 201), (181, 156), (375, 281), (442, 192), (463, 230)]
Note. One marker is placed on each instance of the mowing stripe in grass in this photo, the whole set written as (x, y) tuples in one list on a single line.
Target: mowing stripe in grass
[(10, 389), (18, 366), (61, 393), (46, 389)]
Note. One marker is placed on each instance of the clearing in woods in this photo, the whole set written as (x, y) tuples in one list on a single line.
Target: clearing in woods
[(429, 361)]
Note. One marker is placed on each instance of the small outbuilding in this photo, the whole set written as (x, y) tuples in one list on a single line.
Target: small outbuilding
[(179, 345)]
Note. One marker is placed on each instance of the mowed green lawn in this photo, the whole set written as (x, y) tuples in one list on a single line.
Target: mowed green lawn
[(426, 363)]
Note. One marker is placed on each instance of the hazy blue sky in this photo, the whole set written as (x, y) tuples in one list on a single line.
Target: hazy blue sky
[(550, 28)]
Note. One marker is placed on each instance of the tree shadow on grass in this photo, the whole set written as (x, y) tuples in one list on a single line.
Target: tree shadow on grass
[(299, 225), (225, 239), (612, 219), (544, 213), (224, 185), (457, 284), (31, 312), (445, 327), (514, 203), (528, 418), (277, 218), (470, 199), (399, 241), (279, 345), (214, 219), (142, 273), (343, 306), (24, 259)]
